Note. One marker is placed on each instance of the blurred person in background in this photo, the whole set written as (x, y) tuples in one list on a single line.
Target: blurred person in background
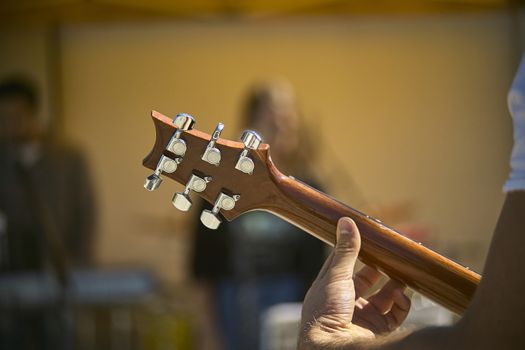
[(259, 260), (46, 211)]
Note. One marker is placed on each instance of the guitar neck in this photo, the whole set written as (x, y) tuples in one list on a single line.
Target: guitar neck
[(420, 268), (427, 272)]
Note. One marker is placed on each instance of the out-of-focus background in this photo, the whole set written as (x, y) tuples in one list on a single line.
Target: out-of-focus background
[(405, 103)]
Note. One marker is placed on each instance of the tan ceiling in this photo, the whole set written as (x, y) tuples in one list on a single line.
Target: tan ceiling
[(24, 12)]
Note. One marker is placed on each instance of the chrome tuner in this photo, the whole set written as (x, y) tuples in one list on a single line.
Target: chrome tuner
[(212, 154), (183, 122), (209, 218), (165, 165), (251, 141), (182, 200)]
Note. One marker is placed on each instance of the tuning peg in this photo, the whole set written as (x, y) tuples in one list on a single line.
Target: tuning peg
[(183, 122), (209, 218), (251, 141), (182, 200), (212, 154), (165, 165), (152, 182)]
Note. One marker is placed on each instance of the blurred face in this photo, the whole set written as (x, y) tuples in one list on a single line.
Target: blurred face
[(278, 121), (17, 120)]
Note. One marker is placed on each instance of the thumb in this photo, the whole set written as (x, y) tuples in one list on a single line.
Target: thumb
[(346, 248)]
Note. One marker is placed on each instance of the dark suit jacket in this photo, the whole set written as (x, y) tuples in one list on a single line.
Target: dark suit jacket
[(56, 188)]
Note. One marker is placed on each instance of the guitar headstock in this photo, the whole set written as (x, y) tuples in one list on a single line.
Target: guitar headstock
[(230, 175)]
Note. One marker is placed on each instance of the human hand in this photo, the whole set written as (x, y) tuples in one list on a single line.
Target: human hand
[(335, 311)]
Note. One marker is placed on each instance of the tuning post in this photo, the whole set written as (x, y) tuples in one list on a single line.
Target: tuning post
[(212, 154), (183, 122), (165, 165), (209, 218), (251, 141), (182, 200)]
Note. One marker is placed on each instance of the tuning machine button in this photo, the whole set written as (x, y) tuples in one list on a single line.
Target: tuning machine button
[(209, 218), (183, 122), (165, 165), (251, 141), (182, 200), (212, 154)]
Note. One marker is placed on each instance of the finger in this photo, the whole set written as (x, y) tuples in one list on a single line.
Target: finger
[(372, 326), (399, 311), (384, 298), (346, 250), (360, 303), (327, 264), (369, 316), (365, 315), (365, 279)]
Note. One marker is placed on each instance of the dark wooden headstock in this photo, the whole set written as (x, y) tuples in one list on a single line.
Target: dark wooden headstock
[(254, 189)]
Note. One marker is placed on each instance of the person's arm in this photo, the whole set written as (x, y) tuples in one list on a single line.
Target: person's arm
[(332, 314), (493, 320)]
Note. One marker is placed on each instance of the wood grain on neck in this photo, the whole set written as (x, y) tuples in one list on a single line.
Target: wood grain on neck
[(427, 272)]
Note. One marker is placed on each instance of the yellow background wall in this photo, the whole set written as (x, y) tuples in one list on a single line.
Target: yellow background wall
[(413, 107)]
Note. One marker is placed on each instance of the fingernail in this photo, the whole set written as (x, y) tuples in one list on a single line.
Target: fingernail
[(345, 227)]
